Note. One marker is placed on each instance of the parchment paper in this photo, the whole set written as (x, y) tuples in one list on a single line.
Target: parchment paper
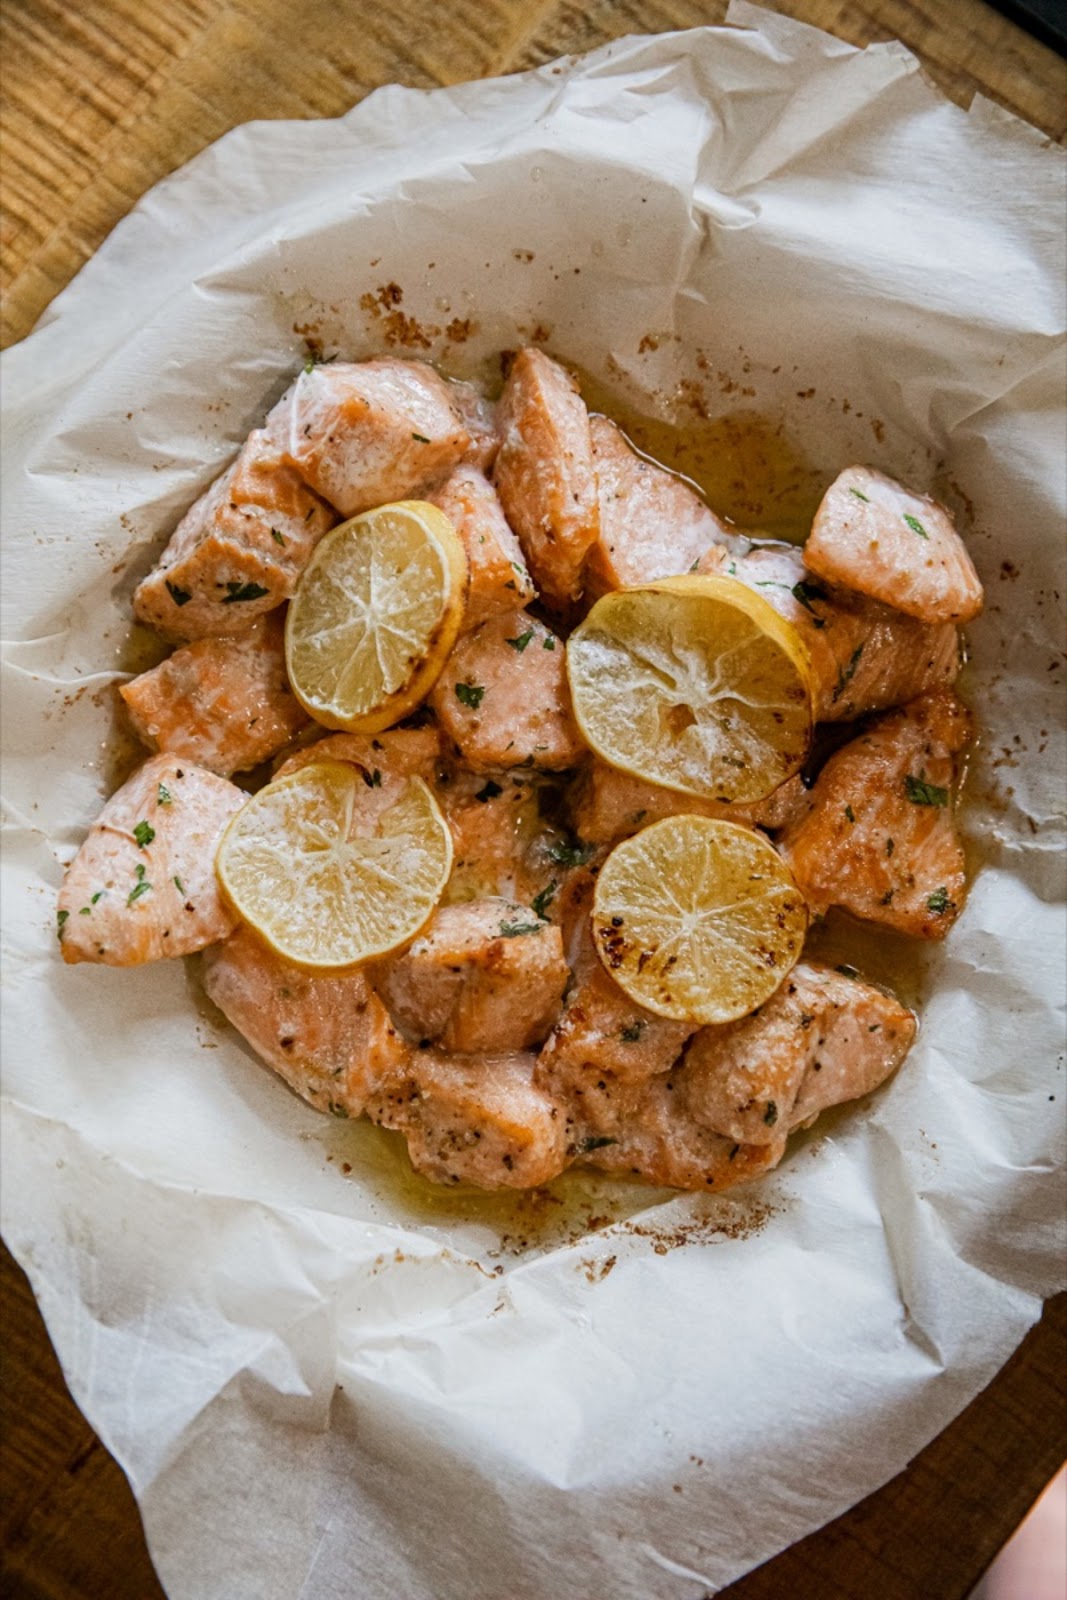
[(320, 1384)]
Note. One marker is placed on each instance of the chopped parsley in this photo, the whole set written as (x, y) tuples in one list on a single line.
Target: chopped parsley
[(144, 833), (921, 793), (142, 886), (489, 792), (541, 902), (99, 895), (236, 592), (916, 526), (312, 361), (847, 673), (850, 814), (548, 642), (279, 538), (512, 930), (632, 1031), (569, 855), (181, 597), (420, 438), (86, 911), (770, 1116), (163, 795), (939, 902), (859, 495), (179, 885), (597, 1143), (521, 642), (470, 694), (61, 917), (805, 593)]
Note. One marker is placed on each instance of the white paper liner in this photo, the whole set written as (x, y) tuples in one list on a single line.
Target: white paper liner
[(319, 1385)]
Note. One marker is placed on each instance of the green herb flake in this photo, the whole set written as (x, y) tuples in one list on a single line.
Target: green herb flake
[(847, 673), (489, 791), (850, 814), (598, 1143), (512, 930), (142, 886), (470, 694), (916, 526), (541, 902), (860, 495), (632, 1031), (237, 592), (420, 438), (181, 597), (279, 538), (805, 593), (312, 362), (61, 918), (521, 642), (163, 795), (179, 885), (548, 642), (846, 971), (569, 855), (144, 833), (770, 1116), (939, 902), (921, 793), (86, 911), (99, 895)]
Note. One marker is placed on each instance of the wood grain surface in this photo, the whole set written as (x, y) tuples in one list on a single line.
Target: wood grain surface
[(100, 99)]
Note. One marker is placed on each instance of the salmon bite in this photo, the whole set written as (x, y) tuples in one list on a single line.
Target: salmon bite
[(549, 814)]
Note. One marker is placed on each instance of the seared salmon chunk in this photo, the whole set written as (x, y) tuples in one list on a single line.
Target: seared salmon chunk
[(872, 534), (483, 976), (223, 703), (879, 835), (330, 1038), (363, 433), (544, 473), (238, 551), (603, 1049), (385, 760), (499, 580), (142, 887), (503, 696), (475, 1119), (652, 524), (821, 1039), (661, 1143), (607, 805)]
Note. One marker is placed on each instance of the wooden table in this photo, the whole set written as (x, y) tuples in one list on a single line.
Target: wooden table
[(101, 99)]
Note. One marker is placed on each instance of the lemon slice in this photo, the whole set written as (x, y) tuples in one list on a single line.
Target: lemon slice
[(374, 616), (330, 872), (694, 683), (697, 919)]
